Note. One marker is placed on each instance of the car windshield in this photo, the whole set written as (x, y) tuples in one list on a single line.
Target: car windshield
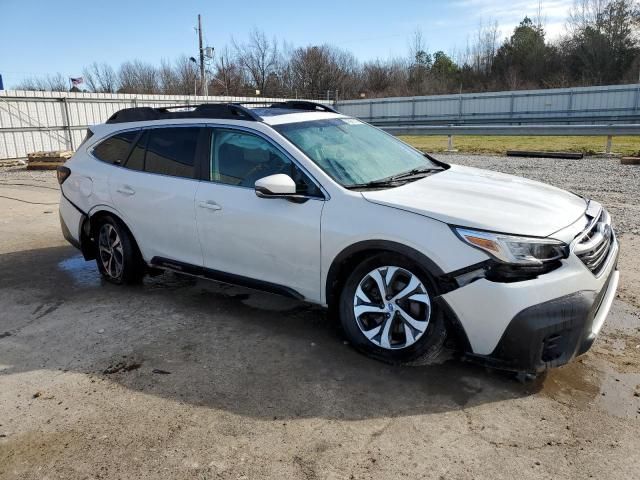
[(352, 152)]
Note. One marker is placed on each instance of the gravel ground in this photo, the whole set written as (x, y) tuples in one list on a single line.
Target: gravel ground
[(185, 379)]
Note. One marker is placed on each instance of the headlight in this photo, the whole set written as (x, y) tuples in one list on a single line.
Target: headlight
[(512, 249)]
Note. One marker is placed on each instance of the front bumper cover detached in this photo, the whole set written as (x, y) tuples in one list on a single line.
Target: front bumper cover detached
[(553, 333)]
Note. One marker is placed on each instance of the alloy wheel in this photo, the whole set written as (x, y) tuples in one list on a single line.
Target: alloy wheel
[(392, 307), (111, 252)]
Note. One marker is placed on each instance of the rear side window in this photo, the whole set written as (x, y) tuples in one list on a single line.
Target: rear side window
[(136, 157), (171, 151), (115, 149)]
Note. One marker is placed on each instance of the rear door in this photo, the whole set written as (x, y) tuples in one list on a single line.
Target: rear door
[(274, 241), (155, 191)]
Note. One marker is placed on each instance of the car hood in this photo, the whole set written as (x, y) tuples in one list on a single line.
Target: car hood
[(486, 200)]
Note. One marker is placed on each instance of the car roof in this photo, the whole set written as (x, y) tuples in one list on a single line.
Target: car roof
[(267, 116), (280, 116), (253, 111)]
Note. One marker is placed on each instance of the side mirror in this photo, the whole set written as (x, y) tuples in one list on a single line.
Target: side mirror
[(278, 186)]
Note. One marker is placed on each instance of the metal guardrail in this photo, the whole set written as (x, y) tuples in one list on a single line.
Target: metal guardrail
[(518, 130), (511, 130), (578, 106)]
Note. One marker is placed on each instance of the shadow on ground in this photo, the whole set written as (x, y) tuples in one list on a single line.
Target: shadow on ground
[(223, 347)]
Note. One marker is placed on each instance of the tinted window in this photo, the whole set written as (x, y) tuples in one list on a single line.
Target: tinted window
[(136, 157), (171, 151), (239, 158), (115, 149)]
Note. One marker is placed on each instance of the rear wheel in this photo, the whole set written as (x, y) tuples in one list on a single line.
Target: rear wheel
[(118, 258), (386, 310)]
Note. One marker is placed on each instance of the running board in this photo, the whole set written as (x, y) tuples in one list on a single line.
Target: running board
[(224, 277)]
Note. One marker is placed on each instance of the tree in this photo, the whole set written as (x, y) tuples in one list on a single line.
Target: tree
[(50, 83), (483, 50), (604, 41), (419, 64), (316, 70), (259, 57), (228, 74), (525, 58), (100, 78), (444, 71), (138, 77)]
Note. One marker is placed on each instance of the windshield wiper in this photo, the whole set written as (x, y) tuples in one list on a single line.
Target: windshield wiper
[(396, 179), (385, 182), (414, 172)]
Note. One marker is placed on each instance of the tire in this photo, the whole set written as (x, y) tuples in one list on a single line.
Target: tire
[(380, 328), (118, 258)]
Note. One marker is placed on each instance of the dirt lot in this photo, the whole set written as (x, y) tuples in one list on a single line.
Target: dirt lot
[(180, 378)]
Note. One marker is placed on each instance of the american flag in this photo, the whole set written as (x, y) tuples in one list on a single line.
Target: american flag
[(76, 81)]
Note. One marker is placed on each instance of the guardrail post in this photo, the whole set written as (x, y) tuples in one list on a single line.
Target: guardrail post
[(511, 99), (67, 123), (450, 143), (607, 149)]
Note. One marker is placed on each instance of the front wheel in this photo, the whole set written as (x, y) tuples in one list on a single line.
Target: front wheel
[(386, 311)]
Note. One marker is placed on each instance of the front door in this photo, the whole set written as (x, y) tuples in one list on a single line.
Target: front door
[(269, 240)]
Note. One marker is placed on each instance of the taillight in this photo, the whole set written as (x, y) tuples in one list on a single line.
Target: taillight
[(63, 173)]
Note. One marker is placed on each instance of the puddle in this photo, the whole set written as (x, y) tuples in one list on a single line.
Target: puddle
[(83, 273), (573, 384), (595, 382)]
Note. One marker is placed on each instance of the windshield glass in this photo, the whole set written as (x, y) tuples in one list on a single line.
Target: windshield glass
[(352, 152)]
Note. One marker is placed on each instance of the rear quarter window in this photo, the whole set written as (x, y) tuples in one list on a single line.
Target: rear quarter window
[(115, 149)]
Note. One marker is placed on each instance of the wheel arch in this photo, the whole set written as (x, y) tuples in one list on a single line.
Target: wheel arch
[(349, 257), (91, 221), (353, 254)]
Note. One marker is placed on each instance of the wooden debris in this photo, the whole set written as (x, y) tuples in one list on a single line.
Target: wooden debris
[(630, 160), (47, 160), (535, 154)]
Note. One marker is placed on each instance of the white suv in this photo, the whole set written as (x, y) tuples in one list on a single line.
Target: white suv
[(297, 199)]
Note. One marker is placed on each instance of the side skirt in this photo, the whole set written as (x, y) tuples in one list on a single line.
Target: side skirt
[(224, 277)]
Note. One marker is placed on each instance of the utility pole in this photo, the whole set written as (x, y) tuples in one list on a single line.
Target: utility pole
[(202, 79)]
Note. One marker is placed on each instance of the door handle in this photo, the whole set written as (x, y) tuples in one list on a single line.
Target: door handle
[(210, 204), (126, 190)]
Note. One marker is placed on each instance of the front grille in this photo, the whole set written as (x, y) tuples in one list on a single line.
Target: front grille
[(594, 244)]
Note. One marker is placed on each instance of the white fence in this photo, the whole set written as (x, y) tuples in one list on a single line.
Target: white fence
[(583, 105), (35, 121)]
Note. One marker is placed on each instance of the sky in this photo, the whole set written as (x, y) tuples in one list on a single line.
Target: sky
[(45, 37)]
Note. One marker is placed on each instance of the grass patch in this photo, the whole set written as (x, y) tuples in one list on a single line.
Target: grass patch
[(626, 145)]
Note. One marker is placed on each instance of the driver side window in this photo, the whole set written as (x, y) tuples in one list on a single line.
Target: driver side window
[(240, 158)]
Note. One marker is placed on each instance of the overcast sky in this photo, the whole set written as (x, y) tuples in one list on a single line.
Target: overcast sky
[(47, 36)]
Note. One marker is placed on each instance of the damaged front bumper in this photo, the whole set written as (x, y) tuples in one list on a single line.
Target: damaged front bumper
[(534, 325)]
